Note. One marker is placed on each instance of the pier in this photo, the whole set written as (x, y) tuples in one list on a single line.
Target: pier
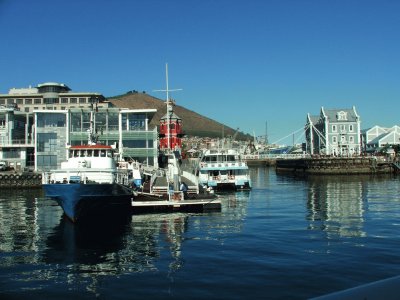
[(337, 165), (187, 205)]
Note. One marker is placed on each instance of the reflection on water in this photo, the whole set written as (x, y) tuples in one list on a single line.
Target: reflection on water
[(35, 232), (275, 234), (337, 204)]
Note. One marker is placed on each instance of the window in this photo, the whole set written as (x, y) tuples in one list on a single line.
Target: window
[(38, 101), (73, 100), (351, 127), (341, 116), (64, 100), (26, 109), (2, 101), (10, 101), (342, 128), (51, 100), (82, 100), (334, 129), (28, 101), (51, 120), (20, 101), (334, 139), (351, 139), (12, 153), (47, 142), (47, 161)]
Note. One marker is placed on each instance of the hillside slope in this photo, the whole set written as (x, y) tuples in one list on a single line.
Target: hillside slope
[(194, 124)]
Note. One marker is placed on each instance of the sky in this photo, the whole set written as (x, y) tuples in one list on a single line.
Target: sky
[(257, 65)]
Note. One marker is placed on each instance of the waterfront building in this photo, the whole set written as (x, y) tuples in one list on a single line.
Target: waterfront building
[(377, 137), (16, 140), (36, 137), (334, 132), (51, 96)]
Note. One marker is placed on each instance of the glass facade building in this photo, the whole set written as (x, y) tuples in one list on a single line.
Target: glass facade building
[(128, 130)]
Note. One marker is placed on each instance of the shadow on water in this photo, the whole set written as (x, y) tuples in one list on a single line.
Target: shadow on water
[(86, 243)]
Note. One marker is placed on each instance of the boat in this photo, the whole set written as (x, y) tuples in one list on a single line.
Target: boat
[(223, 168), (89, 184), (171, 180)]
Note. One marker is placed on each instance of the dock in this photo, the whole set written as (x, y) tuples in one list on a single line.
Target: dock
[(337, 166), (188, 205)]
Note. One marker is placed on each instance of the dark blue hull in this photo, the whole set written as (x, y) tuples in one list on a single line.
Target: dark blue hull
[(85, 201)]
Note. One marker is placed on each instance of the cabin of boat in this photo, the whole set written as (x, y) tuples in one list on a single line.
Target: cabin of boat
[(224, 168)]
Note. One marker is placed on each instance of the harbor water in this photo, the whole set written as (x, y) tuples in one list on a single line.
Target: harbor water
[(287, 238)]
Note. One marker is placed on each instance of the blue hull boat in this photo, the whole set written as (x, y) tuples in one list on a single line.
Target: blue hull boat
[(86, 201)]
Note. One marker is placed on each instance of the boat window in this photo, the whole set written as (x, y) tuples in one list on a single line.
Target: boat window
[(103, 153), (96, 153)]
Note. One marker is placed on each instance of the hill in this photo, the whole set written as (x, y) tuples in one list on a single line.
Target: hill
[(194, 124)]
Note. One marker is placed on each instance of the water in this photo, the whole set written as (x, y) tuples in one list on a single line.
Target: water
[(288, 238)]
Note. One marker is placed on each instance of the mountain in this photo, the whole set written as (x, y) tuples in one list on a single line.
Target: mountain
[(194, 124)]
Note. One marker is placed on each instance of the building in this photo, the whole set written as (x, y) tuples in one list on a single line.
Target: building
[(171, 130), (36, 125), (334, 132), (50, 96), (16, 139), (377, 137), (126, 129)]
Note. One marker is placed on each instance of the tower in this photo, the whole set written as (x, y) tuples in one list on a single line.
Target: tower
[(170, 136)]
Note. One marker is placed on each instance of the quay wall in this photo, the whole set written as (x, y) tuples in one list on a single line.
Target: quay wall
[(267, 162), (11, 180), (335, 166)]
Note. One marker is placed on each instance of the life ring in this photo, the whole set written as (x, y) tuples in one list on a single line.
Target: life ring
[(5, 176)]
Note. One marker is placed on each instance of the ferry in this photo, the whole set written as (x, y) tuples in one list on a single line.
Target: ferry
[(223, 169), (89, 184)]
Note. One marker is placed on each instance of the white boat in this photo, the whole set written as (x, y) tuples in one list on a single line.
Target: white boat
[(89, 184), (223, 169)]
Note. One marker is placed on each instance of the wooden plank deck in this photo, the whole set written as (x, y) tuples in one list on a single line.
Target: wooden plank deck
[(183, 205)]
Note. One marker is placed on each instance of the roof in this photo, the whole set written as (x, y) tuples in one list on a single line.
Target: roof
[(333, 115), (91, 147), (172, 117)]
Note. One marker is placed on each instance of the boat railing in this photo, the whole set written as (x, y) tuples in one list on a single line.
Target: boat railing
[(82, 176), (222, 164)]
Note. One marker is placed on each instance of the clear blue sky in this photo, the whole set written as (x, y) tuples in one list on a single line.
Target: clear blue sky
[(242, 63)]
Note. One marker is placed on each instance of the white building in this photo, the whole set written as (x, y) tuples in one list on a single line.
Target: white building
[(334, 132), (377, 137)]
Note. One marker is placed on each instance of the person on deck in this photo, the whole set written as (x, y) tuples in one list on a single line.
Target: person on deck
[(184, 188)]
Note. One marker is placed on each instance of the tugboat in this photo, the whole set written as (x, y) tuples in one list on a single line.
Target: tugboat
[(89, 184)]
